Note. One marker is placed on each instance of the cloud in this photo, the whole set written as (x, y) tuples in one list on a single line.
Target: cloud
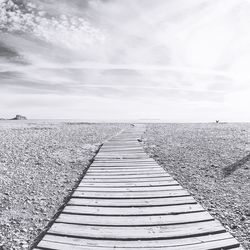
[(174, 51)]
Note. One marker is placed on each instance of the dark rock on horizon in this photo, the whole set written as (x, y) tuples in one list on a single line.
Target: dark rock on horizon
[(19, 117)]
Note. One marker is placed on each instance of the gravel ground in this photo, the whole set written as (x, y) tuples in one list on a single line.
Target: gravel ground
[(212, 161), (39, 165)]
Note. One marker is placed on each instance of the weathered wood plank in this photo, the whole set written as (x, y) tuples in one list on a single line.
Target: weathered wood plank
[(133, 161), (128, 195), (123, 166), (122, 154), (124, 176), (128, 180), (196, 242), (126, 162), (134, 202), (124, 170), (134, 220), (102, 158), (129, 184), (121, 146), (219, 244), (169, 181), (122, 150), (128, 211), (145, 232), (128, 189), (128, 173)]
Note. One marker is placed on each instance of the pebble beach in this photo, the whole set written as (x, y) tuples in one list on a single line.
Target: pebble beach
[(40, 162)]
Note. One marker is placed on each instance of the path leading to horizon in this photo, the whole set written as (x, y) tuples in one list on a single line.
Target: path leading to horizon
[(127, 201)]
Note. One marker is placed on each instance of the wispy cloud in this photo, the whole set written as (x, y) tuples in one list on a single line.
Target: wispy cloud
[(159, 52)]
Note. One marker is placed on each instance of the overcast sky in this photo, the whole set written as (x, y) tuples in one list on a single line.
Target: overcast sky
[(175, 60)]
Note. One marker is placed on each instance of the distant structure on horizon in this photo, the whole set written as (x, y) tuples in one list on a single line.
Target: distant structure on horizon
[(217, 121), (17, 117)]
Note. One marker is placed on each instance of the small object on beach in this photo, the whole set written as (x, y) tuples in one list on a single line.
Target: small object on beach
[(19, 117), (217, 121)]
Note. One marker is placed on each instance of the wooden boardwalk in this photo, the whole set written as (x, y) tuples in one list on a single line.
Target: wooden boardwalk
[(127, 201)]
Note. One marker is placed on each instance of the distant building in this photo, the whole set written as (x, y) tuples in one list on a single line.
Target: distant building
[(19, 117)]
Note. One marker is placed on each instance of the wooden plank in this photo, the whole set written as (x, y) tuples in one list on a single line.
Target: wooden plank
[(146, 232), (135, 145), (125, 176), (121, 170), (121, 150), (194, 242), (131, 153), (134, 202), (145, 160), (115, 146), (122, 154), (120, 195), (128, 189), (114, 170), (122, 190), (219, 244), (125, 162), (134, 220), (119, 157), (122, 141), (123, 165), (127, 173), (125, 168), (128, 211), (121, 147), (128, 180), (129, 184)]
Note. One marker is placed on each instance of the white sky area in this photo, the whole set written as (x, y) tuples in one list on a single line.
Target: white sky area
[(174, 60)]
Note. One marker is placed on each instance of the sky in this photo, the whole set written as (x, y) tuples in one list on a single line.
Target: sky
[(168, 60)]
